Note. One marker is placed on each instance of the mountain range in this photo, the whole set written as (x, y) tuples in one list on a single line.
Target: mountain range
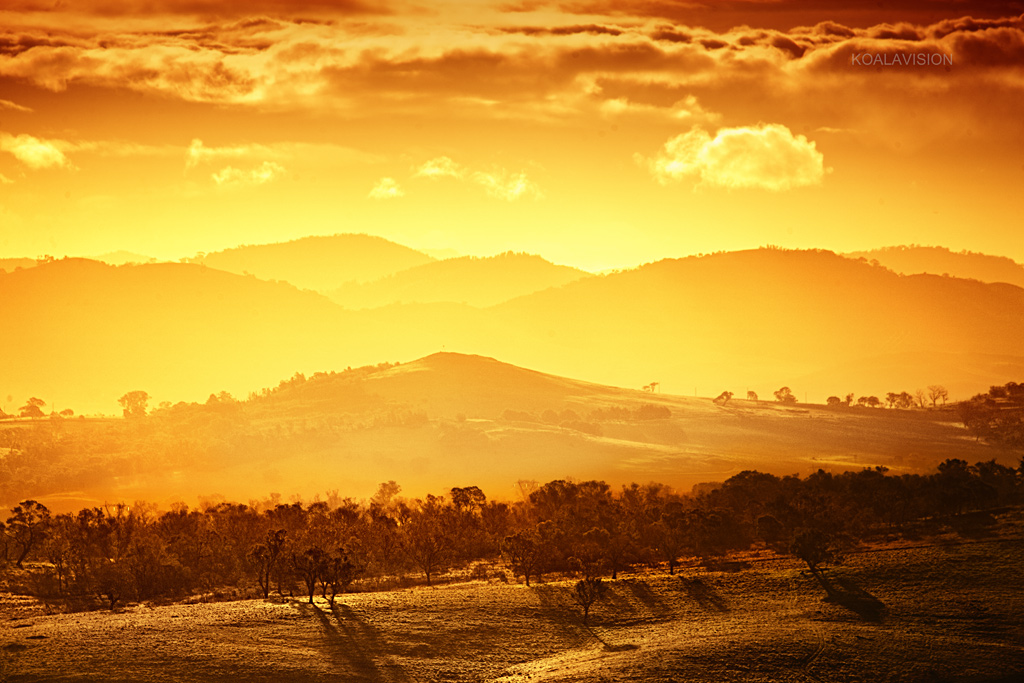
[(85, 332)]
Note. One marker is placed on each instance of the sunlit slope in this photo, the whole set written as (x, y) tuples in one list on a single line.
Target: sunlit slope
[(457, 420), (766, 318), (475, 281), (319, 263), (939, 260)]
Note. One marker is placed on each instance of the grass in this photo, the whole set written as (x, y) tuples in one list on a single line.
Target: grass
[(943, 612)]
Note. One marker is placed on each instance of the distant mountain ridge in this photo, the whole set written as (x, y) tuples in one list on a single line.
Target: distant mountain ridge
[(754, 320), (913, 259), (319, 263), (477, 281)]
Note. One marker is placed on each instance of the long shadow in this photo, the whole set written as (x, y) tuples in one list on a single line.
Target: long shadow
[(846, 593), (704, 595), (648, 598), (354, 643)]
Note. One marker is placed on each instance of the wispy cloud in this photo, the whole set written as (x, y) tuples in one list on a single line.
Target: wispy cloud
[(4, 180), (497, 183), (509, 187), (34, 152), (441, 167), (386, 188), (767, 156), (262, 174), (13, 106)]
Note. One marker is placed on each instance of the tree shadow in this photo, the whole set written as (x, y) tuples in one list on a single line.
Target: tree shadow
[(646, 597), (355, 646), (704, 595), (846, 593)]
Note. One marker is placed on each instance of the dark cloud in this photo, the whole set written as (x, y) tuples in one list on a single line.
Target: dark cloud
[(204, 8), (592, 29)]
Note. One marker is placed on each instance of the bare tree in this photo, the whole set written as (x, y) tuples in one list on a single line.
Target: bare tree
[(586, 592)]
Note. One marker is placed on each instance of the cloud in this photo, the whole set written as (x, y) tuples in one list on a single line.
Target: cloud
[(13, 106), (4, 180), (386, 188), (33, 152), (767, 157), (509, 187), (499, 183), (262, 174), (441, 167)]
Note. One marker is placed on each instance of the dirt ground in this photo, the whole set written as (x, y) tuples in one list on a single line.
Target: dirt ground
[(944, 612)]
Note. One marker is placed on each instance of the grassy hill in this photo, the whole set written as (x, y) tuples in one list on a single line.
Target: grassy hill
[(456, 420), (470, 280), (951, 612)]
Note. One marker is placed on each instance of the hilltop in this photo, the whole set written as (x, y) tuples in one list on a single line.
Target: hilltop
[(319, 263)]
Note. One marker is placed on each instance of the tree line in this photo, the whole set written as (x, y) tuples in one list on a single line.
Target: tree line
[(112, 555)]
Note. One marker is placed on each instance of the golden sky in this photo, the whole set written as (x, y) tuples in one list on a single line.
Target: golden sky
[(598, 134)]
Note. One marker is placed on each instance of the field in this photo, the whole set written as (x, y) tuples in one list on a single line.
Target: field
[(946, 609)]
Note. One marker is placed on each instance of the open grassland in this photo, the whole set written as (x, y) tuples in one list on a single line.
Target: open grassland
[(949, 610)]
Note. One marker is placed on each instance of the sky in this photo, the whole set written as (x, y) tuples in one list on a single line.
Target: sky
[(598, 134)]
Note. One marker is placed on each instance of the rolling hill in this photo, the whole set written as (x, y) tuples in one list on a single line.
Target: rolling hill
[(909, 260), (756, 320), (470, 280), (455, 420), (318, 263)]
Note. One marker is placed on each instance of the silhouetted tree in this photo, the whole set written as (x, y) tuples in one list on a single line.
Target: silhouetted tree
[(723, 397), (785, 396), (26, 527), (32, 408), (936, 392), (134, 404), (752, 396), (833, 401), (586, 592), (523, 554)]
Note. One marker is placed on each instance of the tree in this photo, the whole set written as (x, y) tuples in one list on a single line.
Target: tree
[(936, 392), (134, 404), (523, 554), (873, 401), (586, 592), (26, 527), (785, 396), (833, 401), (752, 396), (848, 400), (32, 408), (723, 397)]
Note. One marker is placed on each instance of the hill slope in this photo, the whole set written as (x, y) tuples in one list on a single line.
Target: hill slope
[(814, 321), (319, 263), (470, 280), (939, 260)]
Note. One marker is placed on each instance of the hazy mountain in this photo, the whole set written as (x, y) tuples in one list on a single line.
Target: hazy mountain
[(319, 263), (468, 279), (85, 332), (9, 265), (120, 258), (939, 260), (763, 318)]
